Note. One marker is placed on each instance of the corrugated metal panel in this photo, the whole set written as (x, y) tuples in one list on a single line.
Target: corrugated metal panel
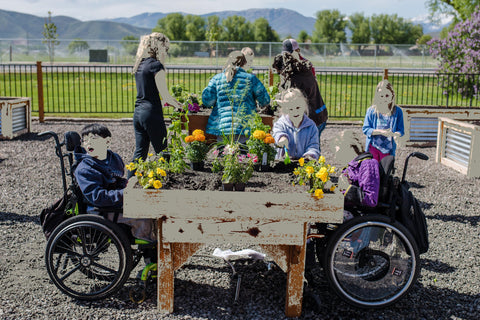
[(457, 146), (19, 118), (423, 129)]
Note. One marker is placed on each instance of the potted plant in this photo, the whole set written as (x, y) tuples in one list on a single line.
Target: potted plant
[(236, 168), (196, 149), (316, 173), (261, 144), (151, 173)]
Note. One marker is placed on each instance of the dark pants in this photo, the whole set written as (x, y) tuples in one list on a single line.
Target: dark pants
[(149, 127)]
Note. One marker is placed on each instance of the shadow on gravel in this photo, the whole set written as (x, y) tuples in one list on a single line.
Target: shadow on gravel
[(473, 220), (14, 217), (437, 266)]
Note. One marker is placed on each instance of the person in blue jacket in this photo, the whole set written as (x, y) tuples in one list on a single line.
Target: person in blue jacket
[(99, 174), (233, 94), (383, 122)]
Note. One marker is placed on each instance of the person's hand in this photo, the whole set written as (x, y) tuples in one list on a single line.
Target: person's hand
[(174, 103), (308, 157), (282, 142)]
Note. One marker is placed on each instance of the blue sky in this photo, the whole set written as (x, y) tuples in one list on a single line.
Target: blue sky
[(107, 9)]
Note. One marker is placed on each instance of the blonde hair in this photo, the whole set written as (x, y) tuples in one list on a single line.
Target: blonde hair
[(235, 59), (150, 46)]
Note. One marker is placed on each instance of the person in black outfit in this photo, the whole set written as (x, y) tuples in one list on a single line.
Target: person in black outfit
[(149, 71)]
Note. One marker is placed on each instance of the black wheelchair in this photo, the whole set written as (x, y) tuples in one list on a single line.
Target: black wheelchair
[(87, 256), (372, 260)]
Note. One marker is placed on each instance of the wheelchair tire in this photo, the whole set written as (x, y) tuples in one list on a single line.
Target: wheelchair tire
[(371, 262), (88, 257)]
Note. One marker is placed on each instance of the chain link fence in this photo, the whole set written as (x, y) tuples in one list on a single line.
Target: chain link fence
[(213, 54)]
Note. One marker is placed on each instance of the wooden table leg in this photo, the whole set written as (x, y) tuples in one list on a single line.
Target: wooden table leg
[(296, 268), (165, 272)]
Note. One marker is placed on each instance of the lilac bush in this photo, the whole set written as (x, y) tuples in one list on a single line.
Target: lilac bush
[(459, 57)]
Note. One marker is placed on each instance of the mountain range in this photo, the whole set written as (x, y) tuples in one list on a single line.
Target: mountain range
[(284, 21)]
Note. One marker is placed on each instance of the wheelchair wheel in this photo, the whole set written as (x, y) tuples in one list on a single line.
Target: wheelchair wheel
[(371, 262), (88, 257)]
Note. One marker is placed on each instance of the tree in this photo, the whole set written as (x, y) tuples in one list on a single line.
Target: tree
[(390, 29), (423, 40), (173, 26), (360, 27), (459, 56), (303, 36), (77, 45), (214, 29), (195, 28), (460, 10), (50, 36), (237, 29), (130, 44), (263, 32), (330, 27)]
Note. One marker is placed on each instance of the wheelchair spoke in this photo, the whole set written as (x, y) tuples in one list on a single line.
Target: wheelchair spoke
[(68, 274), (104, 268)]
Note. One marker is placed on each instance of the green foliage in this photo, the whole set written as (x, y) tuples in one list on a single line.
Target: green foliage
[(175, 146), (50, 36), (195, 29), (460, 10), (263, 32), (303, 36), (424, 39), (330, 27), (391, 29), (360, 27), (130, 44), (237, 28), (77, 45), (173, 26), (150, 173), (213, 30), (236, 167)]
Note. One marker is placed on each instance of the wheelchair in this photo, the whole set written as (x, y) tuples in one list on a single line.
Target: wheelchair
[(371, 260), (87, 256)]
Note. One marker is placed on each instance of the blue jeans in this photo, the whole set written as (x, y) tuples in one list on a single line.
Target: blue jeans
[(320, 128)]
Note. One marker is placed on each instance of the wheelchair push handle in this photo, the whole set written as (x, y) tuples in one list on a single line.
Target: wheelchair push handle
[(418, 155)]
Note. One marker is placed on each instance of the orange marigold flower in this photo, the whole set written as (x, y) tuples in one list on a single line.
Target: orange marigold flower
[(189, 139), (259, 134), (197, 132), (199, 137), (269, 139)]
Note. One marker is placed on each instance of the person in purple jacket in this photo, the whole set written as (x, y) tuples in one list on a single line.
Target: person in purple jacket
[(360, 180)]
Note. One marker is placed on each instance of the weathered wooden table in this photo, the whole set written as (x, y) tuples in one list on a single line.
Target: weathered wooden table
[(189, 219)]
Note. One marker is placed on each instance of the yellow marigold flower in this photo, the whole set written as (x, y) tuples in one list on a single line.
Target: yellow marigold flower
[(321, 159), (189, 139), (161, 172), (301, 161), (150, 154), (332, 188), (309, 170), (138, 174), (269, 139), (259, 134), (130, 166), (332, 170), (322, 174), (150, 182), (157, 184), (319, 193), (199, 137), (296, 172), (198, 132), (162, 159), (150, 174)]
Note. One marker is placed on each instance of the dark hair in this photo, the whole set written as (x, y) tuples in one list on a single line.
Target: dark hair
[(96, 129)]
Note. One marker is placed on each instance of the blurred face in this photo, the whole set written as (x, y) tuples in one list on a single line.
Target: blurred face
[(96, 146), (344, 152), (383, 99), (294, 107)]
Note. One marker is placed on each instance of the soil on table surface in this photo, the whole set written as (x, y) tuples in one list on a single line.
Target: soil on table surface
[(277, 179)]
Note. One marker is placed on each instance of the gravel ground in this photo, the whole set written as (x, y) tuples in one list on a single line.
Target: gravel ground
[(448, 287)]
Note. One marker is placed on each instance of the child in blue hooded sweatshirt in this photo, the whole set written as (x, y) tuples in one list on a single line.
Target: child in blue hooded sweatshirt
[(99, 175), (294, 130)]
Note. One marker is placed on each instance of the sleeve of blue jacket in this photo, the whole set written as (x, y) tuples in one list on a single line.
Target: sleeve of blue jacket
[(209, 94), (91, 183), (260, 92)]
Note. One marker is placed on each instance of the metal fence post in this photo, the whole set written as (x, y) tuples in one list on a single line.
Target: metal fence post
[(40, 92), (385, 74)]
